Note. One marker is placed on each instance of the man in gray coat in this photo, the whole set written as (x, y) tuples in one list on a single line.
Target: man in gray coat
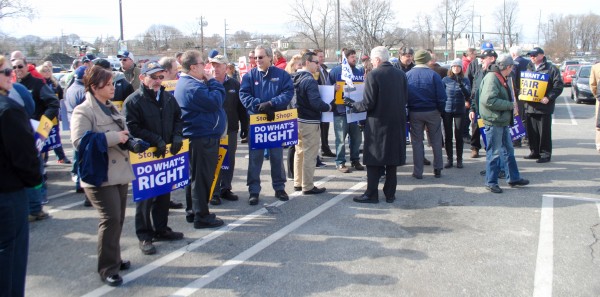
[(384, 100)]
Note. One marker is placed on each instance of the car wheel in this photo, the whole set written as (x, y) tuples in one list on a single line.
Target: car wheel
[(572, 96)]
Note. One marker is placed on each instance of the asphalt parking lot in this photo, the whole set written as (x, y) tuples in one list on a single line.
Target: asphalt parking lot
[(441, 237)]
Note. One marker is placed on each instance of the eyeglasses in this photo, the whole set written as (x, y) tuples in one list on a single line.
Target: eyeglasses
[(7, 71), (316, 62), (18, 66), (259, 57), (159, 77), (123, 59)]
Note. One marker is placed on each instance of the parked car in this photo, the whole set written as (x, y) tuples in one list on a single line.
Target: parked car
[(567, 63), (567, 75), (581, 85)]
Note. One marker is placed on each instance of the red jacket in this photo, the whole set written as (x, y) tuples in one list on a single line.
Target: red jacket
[(33, 72), (465, 63), (281, 63)]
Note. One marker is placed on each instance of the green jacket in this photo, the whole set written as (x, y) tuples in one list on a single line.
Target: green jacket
[(495, 107)]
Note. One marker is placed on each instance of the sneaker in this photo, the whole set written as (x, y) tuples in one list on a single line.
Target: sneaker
[(282, 195), (521, 182), (343, 169), (45, 201), (229, 196), (113, 280), (253, 200), (147, 247), (357, 165), (63, 161), (320, 163), (494, 189), (168, 235)]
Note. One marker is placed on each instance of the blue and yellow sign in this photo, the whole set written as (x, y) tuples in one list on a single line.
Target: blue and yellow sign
[(283, 131), (158, 176), (533, 86)]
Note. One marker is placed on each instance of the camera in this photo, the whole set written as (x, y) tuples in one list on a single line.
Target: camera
[(135, 145)]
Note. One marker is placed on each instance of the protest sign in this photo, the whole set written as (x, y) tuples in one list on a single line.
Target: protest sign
[(158, 176), (533, 86), (283, 131)]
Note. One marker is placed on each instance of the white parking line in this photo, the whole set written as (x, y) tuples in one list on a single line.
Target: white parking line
[(194, 245), (545, 255), (573, 121), (261, 245)]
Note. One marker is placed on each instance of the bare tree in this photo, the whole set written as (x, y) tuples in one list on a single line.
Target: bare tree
[(366, 22), (458, 16), (159, 37), (16, 9), (313, 20), (506, 16), (424, 30)]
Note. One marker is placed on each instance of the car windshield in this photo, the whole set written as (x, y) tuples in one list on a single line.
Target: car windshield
[(585, 72)]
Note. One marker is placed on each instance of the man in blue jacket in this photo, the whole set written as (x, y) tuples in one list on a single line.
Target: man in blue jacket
[(201, 98), (266, 89)]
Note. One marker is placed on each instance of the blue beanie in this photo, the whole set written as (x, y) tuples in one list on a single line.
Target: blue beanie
[(80, 72)]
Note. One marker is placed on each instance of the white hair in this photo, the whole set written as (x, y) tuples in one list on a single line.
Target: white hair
[(380, 52), (515, 50)]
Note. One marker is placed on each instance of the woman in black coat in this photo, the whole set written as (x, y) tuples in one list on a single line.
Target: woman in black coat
[(384, 100)]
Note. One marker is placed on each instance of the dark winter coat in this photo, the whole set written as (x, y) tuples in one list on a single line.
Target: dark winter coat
[(45, 100), (308, 99), (151, 120), (384, 100), (235, 110), (458, 91)]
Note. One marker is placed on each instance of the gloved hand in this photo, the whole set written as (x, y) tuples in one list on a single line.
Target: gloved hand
[(333, 105), (361, 125), (348, 102), (243, 134), (161, 149), (176, 145), (267, 109)]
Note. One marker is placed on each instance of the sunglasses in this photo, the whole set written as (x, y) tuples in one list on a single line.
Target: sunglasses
[(123, 59), (253, 58), (533, 56), (7, 71), (18, 66), (155, 77), (259, 57)]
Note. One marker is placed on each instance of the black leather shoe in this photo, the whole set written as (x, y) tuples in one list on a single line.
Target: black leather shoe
[(365, 199), (253, 200), (531, 157), (229, 196), (113, 280), (390, 199), (215, 200), (521, 182), (357, 165), (189, 217), (426, 162), (297, 189), (437, 173), (417, 176), (282, 195), (168, 235), (313, 191), (87, 203), (543, 160), (125, 264), (328, 153), (214, 223), (175, 205), (459, 164)]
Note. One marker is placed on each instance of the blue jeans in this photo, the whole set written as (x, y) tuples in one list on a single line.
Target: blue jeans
[(499, 145), (14, 242), (342, 128), (255, 163)]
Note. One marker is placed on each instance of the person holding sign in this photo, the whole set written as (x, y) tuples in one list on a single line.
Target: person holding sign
[(153, 115), (265, 90), (310, 106), (236, 114), (386, 92), (98, 127), (201, 98), (20, 169), (594, 84), (496, 111), (541, 84)]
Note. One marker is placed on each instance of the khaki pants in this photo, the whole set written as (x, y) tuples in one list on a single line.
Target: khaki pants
[(306, 155), (598, 125), (110, 201)]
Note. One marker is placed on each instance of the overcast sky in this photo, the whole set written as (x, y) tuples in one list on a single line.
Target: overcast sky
[(101, 18)]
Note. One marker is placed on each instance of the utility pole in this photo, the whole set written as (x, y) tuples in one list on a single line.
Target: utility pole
[(225, 40), (121, 18), (202, 23), (504, 25), (446, 33), (337, 18)]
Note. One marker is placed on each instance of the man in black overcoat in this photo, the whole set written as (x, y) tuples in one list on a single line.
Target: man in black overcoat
[(384, 100)]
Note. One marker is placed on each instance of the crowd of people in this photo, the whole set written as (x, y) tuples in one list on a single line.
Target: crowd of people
[(111, 113)]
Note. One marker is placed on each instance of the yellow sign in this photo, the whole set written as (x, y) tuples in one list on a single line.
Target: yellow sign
[(148, 156), (338, 94), (280, 116), (533, 86), (118, 105), (169, 85), (222, 153), (45, 126)]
